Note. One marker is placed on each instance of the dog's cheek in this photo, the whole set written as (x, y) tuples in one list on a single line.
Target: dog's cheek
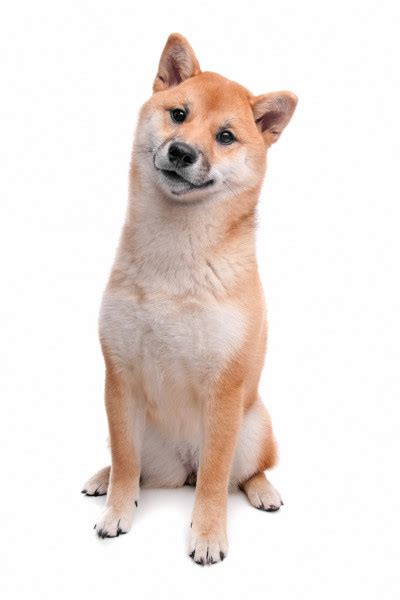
[(150, 130), (239, 169)]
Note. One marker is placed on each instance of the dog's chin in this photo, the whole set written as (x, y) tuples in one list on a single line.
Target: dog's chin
[(179, 188)]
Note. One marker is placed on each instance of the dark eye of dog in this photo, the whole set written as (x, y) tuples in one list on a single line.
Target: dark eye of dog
[(225, 137), (178, 115)]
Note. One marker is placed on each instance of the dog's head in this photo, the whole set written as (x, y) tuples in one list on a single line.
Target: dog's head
[(202, 134)]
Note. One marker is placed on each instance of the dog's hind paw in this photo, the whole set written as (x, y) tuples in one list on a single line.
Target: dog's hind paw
[(98, 484), (262, 494)]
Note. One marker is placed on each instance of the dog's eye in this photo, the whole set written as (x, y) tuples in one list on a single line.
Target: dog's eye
[(178, 115), (225, 137)]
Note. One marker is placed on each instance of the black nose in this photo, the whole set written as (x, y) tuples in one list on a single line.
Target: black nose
[(181, 155)]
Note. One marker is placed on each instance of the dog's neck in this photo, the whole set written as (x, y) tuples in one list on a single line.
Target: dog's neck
[(171, 248)]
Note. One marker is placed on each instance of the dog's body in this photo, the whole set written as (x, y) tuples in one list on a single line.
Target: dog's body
[(183, 325)]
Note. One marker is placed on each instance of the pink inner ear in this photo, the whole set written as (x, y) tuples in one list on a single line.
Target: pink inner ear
[(174, 72), (269, 119)]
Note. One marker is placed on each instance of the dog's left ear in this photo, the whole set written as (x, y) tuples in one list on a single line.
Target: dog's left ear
[(177, 63), (272, 112)]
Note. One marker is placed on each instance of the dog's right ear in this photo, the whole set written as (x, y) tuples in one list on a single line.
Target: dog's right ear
[(272, 112), (177, 63)]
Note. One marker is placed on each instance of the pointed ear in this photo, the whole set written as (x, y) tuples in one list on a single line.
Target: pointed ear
[(177, 63), (272, 112)]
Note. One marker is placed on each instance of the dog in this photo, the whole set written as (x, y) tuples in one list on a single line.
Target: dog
[(183, 321)]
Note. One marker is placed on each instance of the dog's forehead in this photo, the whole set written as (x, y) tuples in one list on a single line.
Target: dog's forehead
[(211, 92), (207, 95)]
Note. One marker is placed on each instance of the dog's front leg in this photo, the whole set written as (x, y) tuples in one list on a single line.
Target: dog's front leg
[(125, 415), (221, 424)]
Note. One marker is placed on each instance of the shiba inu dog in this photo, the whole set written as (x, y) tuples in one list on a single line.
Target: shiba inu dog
[(183, 325)]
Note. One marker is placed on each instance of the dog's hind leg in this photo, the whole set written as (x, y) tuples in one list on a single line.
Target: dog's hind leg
[(255, 452), (98, 484)]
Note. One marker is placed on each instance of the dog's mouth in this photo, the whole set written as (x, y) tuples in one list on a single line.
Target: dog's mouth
[(184, 184)]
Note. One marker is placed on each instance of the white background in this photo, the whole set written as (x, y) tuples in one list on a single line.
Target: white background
[(73, 76)]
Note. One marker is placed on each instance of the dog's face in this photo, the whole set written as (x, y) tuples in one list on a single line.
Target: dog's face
[(201, 134)]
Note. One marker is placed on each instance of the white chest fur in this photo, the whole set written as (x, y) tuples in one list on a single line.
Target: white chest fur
[(172, 346), (167, 319)]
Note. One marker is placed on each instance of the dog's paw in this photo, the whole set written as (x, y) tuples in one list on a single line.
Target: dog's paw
[(112, 523), (264, 497), (208, 550), (98, 484)]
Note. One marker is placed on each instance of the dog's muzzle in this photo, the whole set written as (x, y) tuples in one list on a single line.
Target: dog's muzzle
[(182, 167)]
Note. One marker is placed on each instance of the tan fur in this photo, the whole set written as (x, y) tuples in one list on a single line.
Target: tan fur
[(183, 323)]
